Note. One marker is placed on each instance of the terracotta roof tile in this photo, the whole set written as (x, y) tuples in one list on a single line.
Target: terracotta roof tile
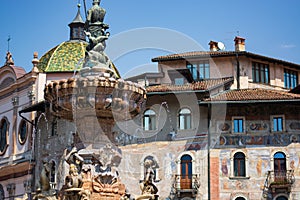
[(208, 54), (253, 95), (199, 85)]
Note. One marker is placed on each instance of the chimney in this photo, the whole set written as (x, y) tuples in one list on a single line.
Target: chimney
[(213, 46), (239, 43)]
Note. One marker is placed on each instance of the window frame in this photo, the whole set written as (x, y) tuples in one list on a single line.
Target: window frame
[(239, 171), (152, 118), (277, 130), (290, 78), (4, 135), (234, 118), (186, 171), (186, 125), (22, 141), (232, 167), (260, 72), (53, 174), (239, 198), (200, 70)]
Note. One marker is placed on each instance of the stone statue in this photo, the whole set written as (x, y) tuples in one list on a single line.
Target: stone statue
[(73, 184), (147, 187), (9, 59), (45, 191), (73, 180), (45, 176), (96, 14), (95, 30), (74, 158)]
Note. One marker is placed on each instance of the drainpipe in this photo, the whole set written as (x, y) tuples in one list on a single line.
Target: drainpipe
[(237, 70), (208, 148)]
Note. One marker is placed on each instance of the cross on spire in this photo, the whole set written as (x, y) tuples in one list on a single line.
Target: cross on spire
[(8, 40)]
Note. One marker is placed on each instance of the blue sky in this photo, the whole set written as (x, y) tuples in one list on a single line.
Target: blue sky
[(271, 27)]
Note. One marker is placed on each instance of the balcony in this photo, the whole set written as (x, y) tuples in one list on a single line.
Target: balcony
[(187, 185), (278, 182)]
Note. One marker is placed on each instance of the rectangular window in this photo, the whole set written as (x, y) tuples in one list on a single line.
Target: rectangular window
[(278, 123), (199, 70), (179, 81), (260, 73), (290, 79), (238, 125)]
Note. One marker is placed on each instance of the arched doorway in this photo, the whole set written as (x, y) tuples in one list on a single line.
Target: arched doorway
[(281, 198), (186, 172), (279, 166), (240, 198)]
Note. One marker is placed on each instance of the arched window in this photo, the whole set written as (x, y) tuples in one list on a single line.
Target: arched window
[(281, 198), (280, 166), (3, 135), (184, 119), (239, 164), (151, 168), (149, 120), (54, 127), (240, 198), (6, 82), (186, 173), (22, 132), (53, 174)]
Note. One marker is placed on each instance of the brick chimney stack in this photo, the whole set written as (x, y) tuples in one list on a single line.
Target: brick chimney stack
[(239, 43), (213, 46)]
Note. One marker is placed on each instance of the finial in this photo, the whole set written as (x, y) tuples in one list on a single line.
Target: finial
[(9, 60), (35, 61)]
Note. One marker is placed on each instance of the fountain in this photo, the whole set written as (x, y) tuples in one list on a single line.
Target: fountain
[(94, 100)]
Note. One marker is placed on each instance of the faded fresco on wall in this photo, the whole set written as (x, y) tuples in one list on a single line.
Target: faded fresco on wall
[(241, 140), (294, 161), (169, 165), (224, 163), (259, 163)]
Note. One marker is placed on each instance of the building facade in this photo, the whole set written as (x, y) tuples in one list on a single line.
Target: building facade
[(216, 125), (226, 123)]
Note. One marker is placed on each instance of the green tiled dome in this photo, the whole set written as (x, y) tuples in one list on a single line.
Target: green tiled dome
[(65, 57)]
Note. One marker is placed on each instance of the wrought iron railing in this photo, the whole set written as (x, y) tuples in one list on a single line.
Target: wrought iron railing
[(278, 178), (191, 182)]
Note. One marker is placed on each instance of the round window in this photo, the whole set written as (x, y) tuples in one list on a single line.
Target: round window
[(3, 135), (22, 132)]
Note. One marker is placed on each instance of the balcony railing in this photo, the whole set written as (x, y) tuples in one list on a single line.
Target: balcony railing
[(187, 184), (281, 179)]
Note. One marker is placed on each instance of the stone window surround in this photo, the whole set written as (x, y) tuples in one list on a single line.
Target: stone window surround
[(287, 158), (156, 120), (272, 124), (178, 119), (19, 132), (232, 176), (7, 134), (244, 123), (142, 167)]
